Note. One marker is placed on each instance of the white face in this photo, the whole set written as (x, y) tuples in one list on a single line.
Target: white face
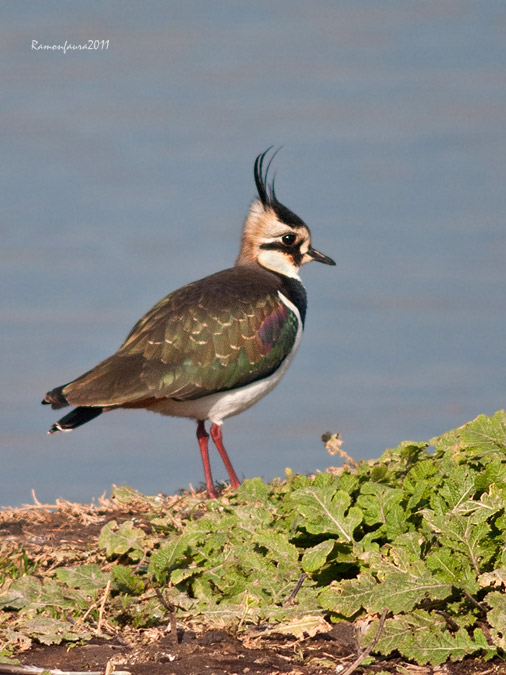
[(278, 262), (285, 250)]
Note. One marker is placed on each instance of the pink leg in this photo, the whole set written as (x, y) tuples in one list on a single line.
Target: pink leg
[(203, 438), (218, 441)]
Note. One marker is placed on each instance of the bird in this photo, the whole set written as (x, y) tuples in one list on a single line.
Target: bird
[(214, 347)]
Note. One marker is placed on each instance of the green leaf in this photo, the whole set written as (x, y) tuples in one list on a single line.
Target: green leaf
[(126, 580), (460, 533), (481, 437), (455, 493), (6, 660), (32, 594), (314, 558), (22, 592), (86, 577), (167, 557), (400, 592), (123, 539), (254, 489), (420, 482), (497, 617), (348, 482), (278, 547), (328, 512), (348, 597), (424, 637), (493, 472), (397, 521), (452, 567), (376, 501), (50, 631), (124, 494)]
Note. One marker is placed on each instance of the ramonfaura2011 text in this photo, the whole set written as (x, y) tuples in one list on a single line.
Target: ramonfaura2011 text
[(89, 45)]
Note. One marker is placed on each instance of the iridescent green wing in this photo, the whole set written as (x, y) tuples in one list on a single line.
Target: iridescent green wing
[(194, 342)]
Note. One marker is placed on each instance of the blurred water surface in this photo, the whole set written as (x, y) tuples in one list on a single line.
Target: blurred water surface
[(127, 172)]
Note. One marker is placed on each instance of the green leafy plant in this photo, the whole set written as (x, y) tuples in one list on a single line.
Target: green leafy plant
[(410, 547)]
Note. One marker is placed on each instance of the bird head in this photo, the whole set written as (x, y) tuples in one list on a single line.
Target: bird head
[(273, 236)]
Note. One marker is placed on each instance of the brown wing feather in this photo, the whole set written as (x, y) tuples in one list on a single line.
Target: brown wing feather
[(191, 343)]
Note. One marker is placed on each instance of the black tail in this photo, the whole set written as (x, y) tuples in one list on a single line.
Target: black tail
[(56, 398), (75, 418)]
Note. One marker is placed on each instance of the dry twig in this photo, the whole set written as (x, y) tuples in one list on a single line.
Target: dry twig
[(360, 658), (169, 606), (475, 602), (298, 586)]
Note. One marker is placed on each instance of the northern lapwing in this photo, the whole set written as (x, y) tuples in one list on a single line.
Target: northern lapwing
[(216, 346)]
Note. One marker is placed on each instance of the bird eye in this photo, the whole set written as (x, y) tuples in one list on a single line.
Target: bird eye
[(288, 239)]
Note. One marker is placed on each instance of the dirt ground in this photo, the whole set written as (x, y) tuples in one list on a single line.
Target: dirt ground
[(213, 652), (40, 529), (219, 653)]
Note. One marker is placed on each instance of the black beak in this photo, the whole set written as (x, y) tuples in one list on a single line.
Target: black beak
[(319, 257)]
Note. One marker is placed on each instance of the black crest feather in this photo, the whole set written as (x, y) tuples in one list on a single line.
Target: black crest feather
[(267, 193)]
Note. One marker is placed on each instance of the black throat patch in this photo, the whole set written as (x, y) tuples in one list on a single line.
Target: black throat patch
[(295, 292)]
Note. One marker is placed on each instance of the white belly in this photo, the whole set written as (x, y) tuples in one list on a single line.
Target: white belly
[(217, 407)]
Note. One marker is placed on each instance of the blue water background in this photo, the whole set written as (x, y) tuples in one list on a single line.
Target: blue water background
[(127, 172)]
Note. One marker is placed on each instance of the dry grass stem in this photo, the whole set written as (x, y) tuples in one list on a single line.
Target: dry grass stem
[(333, 445), (360, 658), (107, 590)]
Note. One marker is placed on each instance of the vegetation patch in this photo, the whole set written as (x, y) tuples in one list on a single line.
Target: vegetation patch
[(404, 555)]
